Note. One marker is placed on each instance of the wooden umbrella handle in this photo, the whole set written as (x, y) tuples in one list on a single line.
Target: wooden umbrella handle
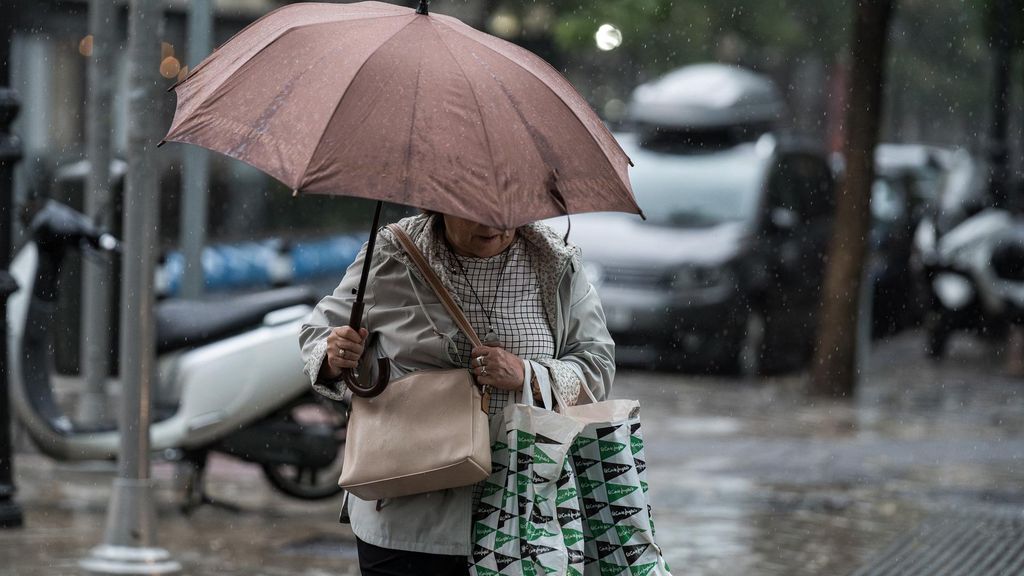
[(362, 386)]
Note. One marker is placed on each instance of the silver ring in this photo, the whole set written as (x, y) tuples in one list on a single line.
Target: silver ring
[(480, 360), (483, 371), (344, 354)]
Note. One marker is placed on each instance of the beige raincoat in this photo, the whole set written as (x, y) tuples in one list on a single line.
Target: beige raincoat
[(413, 330)]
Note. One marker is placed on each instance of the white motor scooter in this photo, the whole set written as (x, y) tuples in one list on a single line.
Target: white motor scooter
[(230, 374), (975, 272)]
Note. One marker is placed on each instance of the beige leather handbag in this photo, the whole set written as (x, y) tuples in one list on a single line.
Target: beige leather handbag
[(427, 430)]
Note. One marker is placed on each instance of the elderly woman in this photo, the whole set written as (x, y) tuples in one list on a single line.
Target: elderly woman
[(524, 292)]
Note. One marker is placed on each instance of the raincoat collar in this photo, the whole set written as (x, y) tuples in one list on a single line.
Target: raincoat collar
[(550, 254)]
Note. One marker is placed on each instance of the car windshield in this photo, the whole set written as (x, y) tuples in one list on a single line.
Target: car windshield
[(695, 190)]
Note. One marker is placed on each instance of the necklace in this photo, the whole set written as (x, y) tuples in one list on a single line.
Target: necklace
[(491, 338)]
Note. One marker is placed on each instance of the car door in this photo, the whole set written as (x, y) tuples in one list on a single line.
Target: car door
[(799, 201)]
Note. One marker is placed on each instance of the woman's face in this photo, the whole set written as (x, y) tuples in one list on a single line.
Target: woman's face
[(471, 239)]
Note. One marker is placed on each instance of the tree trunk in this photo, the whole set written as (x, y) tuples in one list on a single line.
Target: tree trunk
[(998, 144), (834, 370)]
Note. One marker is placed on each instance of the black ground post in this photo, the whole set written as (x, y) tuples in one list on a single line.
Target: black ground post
[(10, 152)]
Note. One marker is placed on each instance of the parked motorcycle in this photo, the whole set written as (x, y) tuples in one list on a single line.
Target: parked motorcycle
[(229, 379), (975, 275)]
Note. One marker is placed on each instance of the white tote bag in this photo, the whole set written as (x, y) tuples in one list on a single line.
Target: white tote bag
[(528, 521)]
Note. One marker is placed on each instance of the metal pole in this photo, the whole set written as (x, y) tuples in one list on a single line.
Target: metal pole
[(196, 169), (96, 277), (10, 152), (130, 543)]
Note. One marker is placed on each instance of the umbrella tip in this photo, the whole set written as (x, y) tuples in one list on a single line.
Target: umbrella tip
[(422, 8)]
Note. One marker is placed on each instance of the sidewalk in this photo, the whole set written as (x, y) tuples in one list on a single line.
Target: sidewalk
[(758, 479), (746, 478), (65, 515)]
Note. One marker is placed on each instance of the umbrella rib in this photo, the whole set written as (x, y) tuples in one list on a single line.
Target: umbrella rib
[(529, 128), (320, 141), (549, 88), (412, 128), (476, 100), (519, 113)]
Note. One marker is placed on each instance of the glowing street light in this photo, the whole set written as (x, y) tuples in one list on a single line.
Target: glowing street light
[(170, 67), (608, 37)]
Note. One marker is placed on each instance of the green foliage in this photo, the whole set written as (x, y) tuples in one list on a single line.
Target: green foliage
[(664, 34), (939, 64), (988, 12), (938, 72)]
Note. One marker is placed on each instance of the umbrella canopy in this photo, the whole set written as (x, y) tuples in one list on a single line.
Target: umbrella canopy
[(379, 101)]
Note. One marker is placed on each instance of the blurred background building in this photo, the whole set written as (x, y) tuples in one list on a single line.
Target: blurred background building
[(938, 94), (937, 91), (932, 175)]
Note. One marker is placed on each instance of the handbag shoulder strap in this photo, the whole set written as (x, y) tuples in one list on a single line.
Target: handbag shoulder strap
[(435, 284)]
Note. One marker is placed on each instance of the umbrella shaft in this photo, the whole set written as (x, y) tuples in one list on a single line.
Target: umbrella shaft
[(356, 319)]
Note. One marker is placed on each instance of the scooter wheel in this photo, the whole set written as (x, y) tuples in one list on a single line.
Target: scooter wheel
[(312, 482)]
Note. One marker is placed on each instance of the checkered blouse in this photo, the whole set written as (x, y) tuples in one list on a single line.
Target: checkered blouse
[(518, 311)]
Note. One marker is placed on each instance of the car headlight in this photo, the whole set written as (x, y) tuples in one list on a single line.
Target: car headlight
[(698, 276)]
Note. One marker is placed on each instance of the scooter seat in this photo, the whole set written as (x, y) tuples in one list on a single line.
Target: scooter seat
[(184, 324)]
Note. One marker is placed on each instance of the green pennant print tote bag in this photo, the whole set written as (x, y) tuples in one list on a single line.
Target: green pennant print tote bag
[(528, 521), (610, 468)]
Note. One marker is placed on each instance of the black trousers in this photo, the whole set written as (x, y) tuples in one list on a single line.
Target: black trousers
[(377, 561)]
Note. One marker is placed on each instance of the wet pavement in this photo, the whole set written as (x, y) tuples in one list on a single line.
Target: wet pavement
[(746, 477)]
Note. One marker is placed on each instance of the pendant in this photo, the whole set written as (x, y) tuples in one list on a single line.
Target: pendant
[(491, 338)]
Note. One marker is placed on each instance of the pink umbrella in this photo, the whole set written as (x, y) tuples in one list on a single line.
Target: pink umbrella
[(379, 101)]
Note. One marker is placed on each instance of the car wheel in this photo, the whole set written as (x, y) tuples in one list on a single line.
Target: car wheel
[(750, 353)]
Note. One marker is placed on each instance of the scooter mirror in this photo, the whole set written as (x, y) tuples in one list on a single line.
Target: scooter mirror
[(108, 243)]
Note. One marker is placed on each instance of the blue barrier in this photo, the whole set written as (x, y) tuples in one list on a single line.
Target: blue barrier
[(271, 262), (328, 256)]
